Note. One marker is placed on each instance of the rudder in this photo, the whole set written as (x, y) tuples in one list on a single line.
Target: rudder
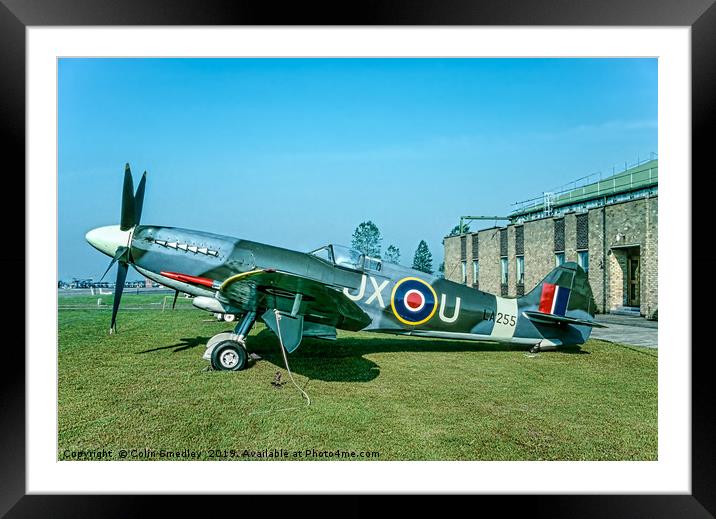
[(563, 291)]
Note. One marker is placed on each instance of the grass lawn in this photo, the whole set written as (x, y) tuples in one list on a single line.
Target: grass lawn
[(405, 398)]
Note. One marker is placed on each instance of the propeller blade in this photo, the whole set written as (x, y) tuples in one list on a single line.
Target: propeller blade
[(120, 252), (176, 294), (127, 217), (139, 199), (122, 269)]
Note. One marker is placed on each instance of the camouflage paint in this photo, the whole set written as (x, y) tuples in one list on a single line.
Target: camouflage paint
[(354, 299)]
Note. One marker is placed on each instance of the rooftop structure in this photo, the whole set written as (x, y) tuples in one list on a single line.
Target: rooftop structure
[(638, 181)]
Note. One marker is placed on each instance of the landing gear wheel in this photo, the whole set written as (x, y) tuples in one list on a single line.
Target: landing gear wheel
[(535, 349), (229, 356), (229, 317)]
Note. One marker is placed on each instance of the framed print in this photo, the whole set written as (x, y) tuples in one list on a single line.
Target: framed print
[(74, 93)]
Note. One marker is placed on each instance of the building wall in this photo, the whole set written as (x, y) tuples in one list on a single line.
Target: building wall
[(475, 249), (468, 259), (539, 251), (511, 262), (489, 258), (632, 223), (452, 258), (570, 237), (650, 261), (616, 278), (598, 261)]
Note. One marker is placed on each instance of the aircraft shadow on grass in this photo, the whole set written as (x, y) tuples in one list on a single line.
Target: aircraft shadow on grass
[(185, 344), (344, 360)]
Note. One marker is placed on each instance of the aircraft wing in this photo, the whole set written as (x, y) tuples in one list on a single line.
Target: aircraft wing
[(269, 288)]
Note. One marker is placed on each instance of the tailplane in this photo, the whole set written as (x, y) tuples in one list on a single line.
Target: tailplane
[(562, 305)]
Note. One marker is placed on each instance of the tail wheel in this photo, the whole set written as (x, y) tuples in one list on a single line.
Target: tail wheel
[(229, 317), (229, 356)]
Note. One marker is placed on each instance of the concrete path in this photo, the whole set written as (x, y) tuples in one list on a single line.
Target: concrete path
[(635, 331)]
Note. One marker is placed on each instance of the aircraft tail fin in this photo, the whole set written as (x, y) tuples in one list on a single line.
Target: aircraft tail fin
[(562, 305)]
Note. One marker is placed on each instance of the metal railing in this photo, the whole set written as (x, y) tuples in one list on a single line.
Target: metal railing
[(571, 193)]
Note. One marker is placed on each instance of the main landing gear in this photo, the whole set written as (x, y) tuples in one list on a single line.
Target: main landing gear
[(227, 351)]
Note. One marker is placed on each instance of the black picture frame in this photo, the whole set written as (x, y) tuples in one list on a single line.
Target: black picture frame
[(16, 15)]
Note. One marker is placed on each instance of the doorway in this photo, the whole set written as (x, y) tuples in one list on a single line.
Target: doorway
[(624, 288), (633, 277)]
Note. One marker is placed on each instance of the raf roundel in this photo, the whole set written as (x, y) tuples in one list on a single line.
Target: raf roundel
[(413, 301)]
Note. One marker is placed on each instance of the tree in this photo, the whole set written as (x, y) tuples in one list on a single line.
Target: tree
[(392, 254), (367, 238), (456, 231), (423, 259)]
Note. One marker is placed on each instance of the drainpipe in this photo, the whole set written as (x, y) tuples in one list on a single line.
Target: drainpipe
[(643, 286), (604, 256)]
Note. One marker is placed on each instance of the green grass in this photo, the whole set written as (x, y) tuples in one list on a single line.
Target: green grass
[(406, 398)]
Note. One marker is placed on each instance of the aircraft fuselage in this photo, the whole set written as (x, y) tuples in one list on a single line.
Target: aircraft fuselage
[(399, 300)]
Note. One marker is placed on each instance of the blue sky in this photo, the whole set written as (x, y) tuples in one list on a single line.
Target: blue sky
[(298, 152)]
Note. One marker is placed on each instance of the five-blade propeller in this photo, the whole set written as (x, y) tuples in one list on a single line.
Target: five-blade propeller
[(131, 214)]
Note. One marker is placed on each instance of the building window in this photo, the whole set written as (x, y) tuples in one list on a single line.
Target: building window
[(583, 259), (475, 272), (464, 271), (520, 270), (503, 242), (503, 264), (558, 259), (582, 231), (519, 240), (559, 234)]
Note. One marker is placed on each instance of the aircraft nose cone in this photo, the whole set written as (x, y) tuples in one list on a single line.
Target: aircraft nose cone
[(108, 239)]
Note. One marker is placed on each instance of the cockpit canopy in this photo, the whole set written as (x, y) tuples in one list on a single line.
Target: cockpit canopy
[(346, 257)]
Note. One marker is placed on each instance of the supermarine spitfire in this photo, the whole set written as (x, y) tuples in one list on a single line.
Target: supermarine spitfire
[(313, 294)]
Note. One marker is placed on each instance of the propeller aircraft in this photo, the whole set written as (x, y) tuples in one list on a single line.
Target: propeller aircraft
[(313, 294)]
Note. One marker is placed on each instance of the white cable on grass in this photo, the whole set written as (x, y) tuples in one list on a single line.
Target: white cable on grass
[(285, 359)]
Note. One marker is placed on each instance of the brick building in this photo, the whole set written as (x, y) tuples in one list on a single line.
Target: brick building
[(609, 227)]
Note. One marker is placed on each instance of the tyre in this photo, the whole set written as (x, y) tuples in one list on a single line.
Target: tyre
[(229, 356), (229, 317)]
